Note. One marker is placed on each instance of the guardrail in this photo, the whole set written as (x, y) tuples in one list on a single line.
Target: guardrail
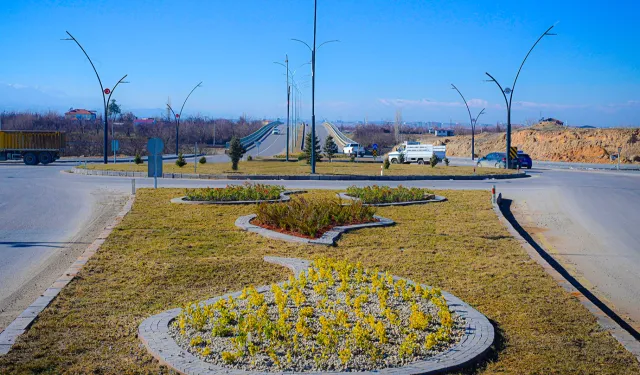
[(337, 134), (249, 141)]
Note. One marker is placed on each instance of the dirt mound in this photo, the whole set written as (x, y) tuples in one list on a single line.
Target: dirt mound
[(551, 142)]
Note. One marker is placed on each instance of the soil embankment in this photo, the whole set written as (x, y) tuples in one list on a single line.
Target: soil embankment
[(553, 143)]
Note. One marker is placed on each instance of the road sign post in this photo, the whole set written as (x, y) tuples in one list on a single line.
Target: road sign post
[(619, 154), (115, 146), (375, 151), (513, 155), (155, 146)]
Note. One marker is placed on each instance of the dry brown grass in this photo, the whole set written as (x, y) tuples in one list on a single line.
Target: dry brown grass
[(163, 255), (301, 168)]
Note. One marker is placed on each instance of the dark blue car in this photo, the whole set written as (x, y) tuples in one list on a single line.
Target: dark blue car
[(525, 160)]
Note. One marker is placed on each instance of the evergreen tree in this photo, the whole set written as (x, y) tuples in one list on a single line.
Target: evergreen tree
[(330, 148), (307, 148), (235, 152), (180, 162)]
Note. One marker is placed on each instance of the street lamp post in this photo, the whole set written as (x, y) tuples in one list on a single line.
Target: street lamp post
[(105, 98), (177, 117), (313, 84), (286, 60), (509, 91), (473, 124)]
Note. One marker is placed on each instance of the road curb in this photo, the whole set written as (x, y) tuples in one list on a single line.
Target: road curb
[(606, 322), (317, 177), (24, 321)]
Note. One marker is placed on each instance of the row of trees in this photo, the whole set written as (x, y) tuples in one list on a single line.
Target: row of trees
[(85, 137)]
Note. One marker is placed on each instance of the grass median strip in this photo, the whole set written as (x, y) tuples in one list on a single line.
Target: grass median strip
[(301, 168), (162, 256)]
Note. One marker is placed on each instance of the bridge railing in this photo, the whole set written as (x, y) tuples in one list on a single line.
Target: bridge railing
[(340, 138), (249, 141)]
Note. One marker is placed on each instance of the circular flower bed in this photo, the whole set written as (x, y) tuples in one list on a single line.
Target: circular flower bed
[(336, 316), (384, 194)]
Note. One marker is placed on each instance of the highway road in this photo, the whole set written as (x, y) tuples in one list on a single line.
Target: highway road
[(587, 219)]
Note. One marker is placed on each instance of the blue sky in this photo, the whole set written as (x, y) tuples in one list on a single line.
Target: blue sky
[(392, 54)]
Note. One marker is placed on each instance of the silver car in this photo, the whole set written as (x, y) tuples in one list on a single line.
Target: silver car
[(496, 160)]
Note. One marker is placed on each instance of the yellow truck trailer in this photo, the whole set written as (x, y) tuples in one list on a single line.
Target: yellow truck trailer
[(31, 146)]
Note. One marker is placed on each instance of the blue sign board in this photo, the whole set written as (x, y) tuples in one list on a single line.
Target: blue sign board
[(115, 145), (375, 146)]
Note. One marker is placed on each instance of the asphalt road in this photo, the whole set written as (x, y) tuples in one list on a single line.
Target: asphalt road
[(587, 219)]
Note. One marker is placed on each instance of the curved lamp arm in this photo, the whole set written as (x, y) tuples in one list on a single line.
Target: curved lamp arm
[(465, 102), (501, 90), (185, 101), (528, 53), (91, 62), (114, 87), (477, 117), (305, 43)]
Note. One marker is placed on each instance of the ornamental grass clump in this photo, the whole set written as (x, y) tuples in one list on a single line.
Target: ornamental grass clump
[(245, 192), (312, 217), (329, 318), (383, 194)]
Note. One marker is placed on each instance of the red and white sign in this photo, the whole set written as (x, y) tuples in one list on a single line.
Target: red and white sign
[(178, 116), (107, 91)]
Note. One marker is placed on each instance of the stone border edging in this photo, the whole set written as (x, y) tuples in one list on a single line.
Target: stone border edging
[(284, 197), (316, 177), (619, 333), (472, 347), (24, 321), (437, 198), (328, 238)]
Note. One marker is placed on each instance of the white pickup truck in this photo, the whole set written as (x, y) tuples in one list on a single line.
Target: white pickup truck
[(415, 152), (353, 149)]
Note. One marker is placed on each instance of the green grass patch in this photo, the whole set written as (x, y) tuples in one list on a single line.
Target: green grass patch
[(302, 168), (244, 192), (385, 194), (311, 217), (164, 255)]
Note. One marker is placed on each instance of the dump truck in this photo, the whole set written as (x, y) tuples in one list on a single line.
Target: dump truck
[(32, 146)]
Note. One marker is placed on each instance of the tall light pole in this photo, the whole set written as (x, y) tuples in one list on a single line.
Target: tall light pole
[(509, 91), (473, 124), (177, 117), (313, 84), (105, 99), (286, 66)]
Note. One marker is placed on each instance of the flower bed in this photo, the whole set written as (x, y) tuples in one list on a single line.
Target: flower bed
[(244, 192), (311, 217), (335, 317), (384, 194)]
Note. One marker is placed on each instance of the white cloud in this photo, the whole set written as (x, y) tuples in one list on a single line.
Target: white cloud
[(427, 103)]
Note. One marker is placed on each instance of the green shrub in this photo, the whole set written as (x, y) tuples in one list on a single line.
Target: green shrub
[(180, 162), (312, 217), (202, 160), (446, 161), (235, 152), (386, 163), (384, 194), (137, 159), (434, 160), (249, 158), (245, 192)]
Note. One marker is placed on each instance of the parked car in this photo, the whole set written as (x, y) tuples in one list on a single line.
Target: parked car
[(275, 131), (353, 149), (496, 160), (525, 160)]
